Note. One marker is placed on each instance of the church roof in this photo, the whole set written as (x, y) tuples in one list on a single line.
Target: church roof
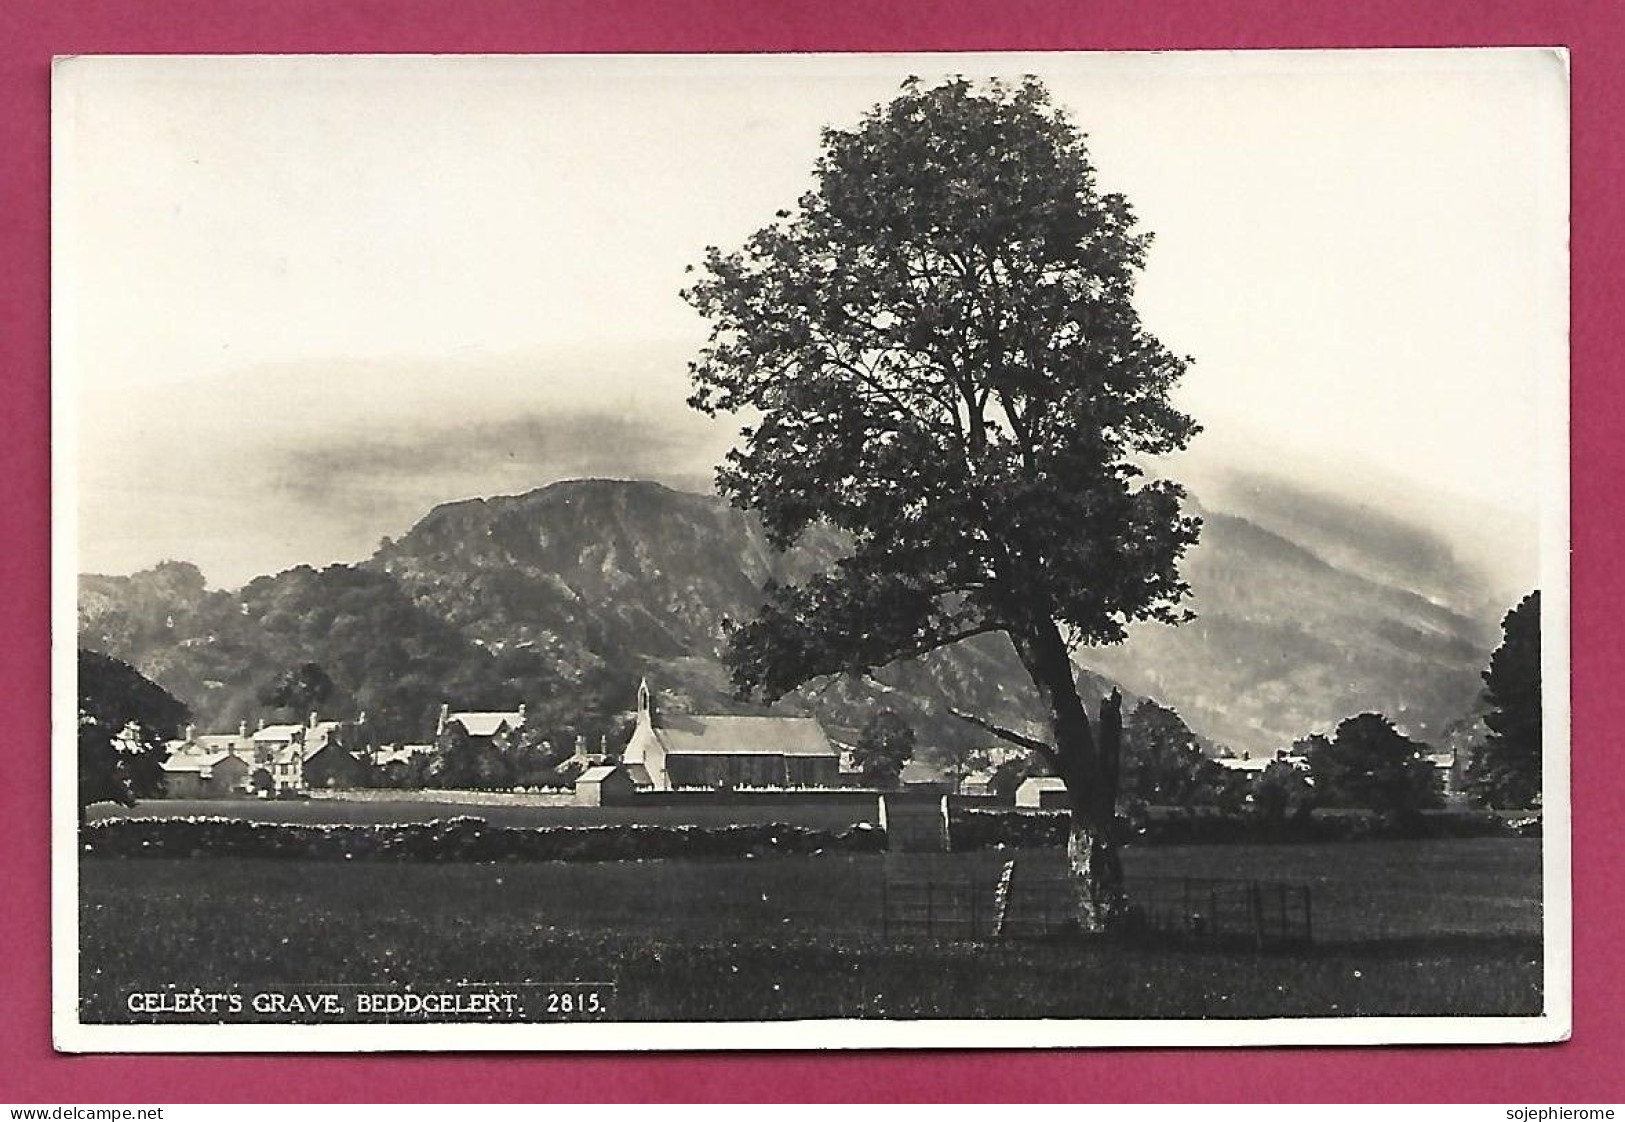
[(688, 734)]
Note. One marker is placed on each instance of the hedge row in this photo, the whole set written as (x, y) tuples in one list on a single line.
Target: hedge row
[(983, 829), (459, 839)]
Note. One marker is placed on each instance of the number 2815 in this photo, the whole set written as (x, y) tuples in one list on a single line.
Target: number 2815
[(568, 1003)]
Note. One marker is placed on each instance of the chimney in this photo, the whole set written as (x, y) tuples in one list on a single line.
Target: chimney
[(260, 726), (581, 745), (445, 715), (242, 730), (362, 718), (313, 718), (521, 712), (191, 734)]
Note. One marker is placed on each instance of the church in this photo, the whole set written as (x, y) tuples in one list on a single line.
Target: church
[(675, 750)]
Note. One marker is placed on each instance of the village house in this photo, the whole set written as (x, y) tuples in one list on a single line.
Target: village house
[(400, 755), (208, 765), (213, 775), (977, 783), (605, 785), (1042, 792), (482, 727), (292, 758), (673, 750), (194, 743)]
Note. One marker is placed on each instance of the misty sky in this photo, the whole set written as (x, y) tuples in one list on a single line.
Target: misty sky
[(301, 300)]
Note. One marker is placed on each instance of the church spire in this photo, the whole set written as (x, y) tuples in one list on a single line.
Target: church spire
[(646, 702)]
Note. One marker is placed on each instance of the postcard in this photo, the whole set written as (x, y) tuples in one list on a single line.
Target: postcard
[(810, 551)]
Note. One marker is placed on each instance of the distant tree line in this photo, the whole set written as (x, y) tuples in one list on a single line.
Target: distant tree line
[(1366, 763)]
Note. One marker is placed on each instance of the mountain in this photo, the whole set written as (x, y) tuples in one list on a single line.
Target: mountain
[(1285, 643), (565, 595)]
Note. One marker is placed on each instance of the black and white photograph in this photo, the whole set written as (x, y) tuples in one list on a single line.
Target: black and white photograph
[(810, 551)]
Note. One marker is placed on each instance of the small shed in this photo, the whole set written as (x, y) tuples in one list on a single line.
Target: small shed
[(978, 783), (1042, 792), (604, 785)]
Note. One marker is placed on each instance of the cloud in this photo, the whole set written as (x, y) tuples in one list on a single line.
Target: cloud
[(244, 501), (430, 461)]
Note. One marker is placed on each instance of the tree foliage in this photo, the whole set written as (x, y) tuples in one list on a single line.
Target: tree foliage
[(1504, 771), (1282, 789), (1370, 764), (1164, 765), (1011, 774), (227, 652), (124, 723), (942, 347), (885, 744), (942, 359), (303, 689)]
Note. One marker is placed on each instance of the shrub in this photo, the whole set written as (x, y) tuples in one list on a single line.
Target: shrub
[(460, 839)]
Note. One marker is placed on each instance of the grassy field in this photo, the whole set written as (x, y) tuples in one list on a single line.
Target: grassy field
[(1441, 927), (366, 813)]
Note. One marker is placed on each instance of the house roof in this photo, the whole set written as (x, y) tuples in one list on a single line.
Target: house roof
[(196, 762), (639, 774), (218, 742), (278, 732), (1044, 783), (313, 750), (487, 723), (401, 755), (597, 774), (686, 734)]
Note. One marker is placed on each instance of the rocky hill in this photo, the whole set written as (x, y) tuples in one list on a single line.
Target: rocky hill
[(565, 595)]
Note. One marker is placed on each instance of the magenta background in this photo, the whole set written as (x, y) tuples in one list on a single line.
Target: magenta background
[(1586, 1069)]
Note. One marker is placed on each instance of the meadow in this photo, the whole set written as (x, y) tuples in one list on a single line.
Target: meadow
[(1402, 928)]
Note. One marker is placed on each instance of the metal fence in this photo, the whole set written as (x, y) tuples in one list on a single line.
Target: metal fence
[(1262, 913), (1037, 904)]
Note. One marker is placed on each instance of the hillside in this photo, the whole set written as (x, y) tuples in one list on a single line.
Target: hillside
[(572, 591), (1285, 642)]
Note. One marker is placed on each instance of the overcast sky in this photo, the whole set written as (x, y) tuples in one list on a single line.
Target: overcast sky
[(301, 300)]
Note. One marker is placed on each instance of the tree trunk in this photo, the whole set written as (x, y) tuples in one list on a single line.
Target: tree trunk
[(1097, 876), (1088, 767)]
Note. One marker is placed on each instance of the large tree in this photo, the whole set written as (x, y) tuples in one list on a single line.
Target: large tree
[(938, 353), (1371, 765), (124, 724), (1505, 770), (1164, 765), (885, 744)]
